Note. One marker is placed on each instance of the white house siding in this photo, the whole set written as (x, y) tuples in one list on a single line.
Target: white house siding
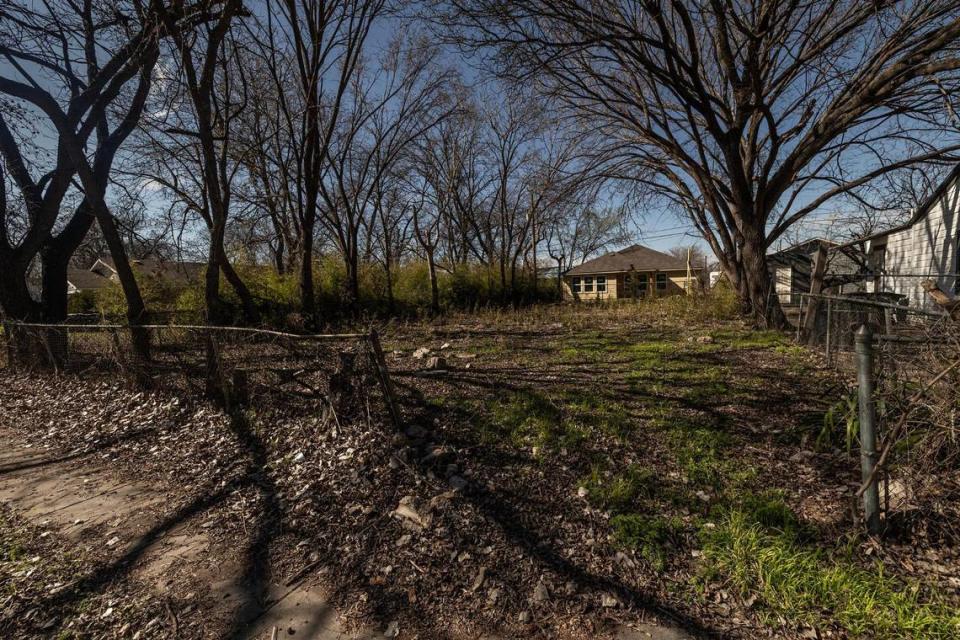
[(928, 248), (784, 284)]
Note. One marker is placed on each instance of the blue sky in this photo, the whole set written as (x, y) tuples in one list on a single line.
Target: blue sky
[(659, 229)]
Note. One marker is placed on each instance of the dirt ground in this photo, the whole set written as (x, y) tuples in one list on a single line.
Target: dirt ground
[(569, 476)]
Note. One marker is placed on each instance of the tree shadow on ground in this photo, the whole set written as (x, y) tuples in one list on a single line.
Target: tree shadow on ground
[(509, 510)]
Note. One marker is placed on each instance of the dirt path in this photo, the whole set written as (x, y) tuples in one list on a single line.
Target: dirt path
[(80, 500), (94, 510)]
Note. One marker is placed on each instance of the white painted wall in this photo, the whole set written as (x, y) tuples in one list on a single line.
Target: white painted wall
[(927, 247)]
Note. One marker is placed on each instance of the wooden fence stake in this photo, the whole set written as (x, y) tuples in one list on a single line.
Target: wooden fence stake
[(816, 286), (383, 374)]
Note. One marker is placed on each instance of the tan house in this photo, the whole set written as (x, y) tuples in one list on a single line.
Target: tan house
[(634, 272)]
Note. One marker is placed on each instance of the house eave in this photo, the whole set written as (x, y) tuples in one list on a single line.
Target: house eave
[(569, 272)]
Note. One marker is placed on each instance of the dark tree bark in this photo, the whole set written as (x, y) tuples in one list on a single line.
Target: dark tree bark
[(44, 77)]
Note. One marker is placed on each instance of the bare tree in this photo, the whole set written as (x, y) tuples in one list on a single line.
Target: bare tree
[(313, 49), (389, 110), (70, 63), (747, 116), (583, 231), (208, 71)]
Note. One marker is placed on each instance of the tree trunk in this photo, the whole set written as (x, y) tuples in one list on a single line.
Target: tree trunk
[(53, 297), (756, 286), (353, 278), (211, 288), (308, 301), (391, 303), (240, 287), (503, 279), (136, 309), (559, 278), (434, 288)]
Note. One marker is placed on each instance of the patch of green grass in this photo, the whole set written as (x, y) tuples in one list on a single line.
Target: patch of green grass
[(699, 452), (619, 492), (756, 548), (528, 418), (650, 536), (591, 411), (744, 339)]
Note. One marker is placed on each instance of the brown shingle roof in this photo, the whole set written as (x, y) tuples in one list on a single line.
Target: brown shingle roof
[(85, 280), (637, 257), (171, 271)]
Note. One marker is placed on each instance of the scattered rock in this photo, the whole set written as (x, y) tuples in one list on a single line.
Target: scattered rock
[(436, 363), (479, 580), (445, 345), (439, 500), (436, 453), (393, 630), (524, 617), (465, 356), (421, 353), (609, 601), (540, 593), (408, 512), (705, 339), (582, 492), (624, 559)]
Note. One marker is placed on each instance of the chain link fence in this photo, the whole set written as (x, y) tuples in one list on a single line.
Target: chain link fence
[(906, 399)]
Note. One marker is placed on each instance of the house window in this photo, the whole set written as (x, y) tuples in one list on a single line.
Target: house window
[(642, 281), (661, 281), (588, 285), (575, 285), (601, 284)]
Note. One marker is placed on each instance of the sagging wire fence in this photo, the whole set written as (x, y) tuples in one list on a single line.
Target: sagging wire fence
[(903, 410), (238, 367)]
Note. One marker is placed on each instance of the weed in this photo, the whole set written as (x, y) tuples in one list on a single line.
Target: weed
[(842, 417)]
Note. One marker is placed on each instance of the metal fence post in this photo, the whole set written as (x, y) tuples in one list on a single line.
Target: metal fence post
[(800, 317), (829, 323), (868, 426)]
